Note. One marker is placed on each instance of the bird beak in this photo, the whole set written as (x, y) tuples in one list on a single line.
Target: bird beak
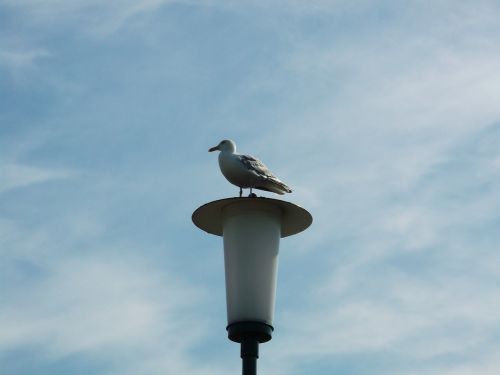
[(213, 149)]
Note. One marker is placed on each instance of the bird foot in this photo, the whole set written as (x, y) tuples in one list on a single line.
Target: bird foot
[(252, 195)]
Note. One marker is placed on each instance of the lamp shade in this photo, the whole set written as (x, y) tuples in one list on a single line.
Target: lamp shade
[(251, 228), (252, 232)]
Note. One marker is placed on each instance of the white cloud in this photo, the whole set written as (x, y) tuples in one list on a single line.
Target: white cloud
[(107, 308), (17, 59), (95, 17), (15, 175), (414, 319), (487, 364)]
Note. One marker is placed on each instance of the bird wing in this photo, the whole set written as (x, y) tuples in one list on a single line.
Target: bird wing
[(256, 166)]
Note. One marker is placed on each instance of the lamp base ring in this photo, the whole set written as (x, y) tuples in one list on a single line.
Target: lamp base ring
[(240, 331)]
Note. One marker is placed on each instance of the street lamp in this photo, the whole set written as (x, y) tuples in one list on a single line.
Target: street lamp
[(251, 229)]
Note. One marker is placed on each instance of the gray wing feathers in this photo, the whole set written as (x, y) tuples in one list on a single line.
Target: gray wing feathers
[(256, 166)]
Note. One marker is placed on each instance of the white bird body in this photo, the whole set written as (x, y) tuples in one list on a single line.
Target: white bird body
[(230, 166), (246, 171)]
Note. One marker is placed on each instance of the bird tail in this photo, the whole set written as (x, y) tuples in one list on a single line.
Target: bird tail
[(277, 186)]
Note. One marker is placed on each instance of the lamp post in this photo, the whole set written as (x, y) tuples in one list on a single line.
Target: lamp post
[(251, 229)]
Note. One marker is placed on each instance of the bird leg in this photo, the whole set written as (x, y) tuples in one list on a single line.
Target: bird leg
[(241, 192), (252, 195)]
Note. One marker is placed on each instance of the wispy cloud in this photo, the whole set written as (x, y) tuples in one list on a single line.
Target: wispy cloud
[(404, 182), (95, 17), (411, 280), (19, 59), (112, 307), (15, 175)]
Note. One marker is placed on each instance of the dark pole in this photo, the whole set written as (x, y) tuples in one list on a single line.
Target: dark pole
[(249, 335), (249, 355)]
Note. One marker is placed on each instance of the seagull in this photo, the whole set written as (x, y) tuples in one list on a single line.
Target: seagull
[(246, 171)]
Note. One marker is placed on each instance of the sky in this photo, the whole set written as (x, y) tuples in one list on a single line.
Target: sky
[(382, 116)]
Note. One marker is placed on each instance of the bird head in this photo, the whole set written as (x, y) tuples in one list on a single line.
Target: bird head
[(225, 145)]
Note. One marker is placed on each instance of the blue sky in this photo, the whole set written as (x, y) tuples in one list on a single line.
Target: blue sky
[(383, 117)]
